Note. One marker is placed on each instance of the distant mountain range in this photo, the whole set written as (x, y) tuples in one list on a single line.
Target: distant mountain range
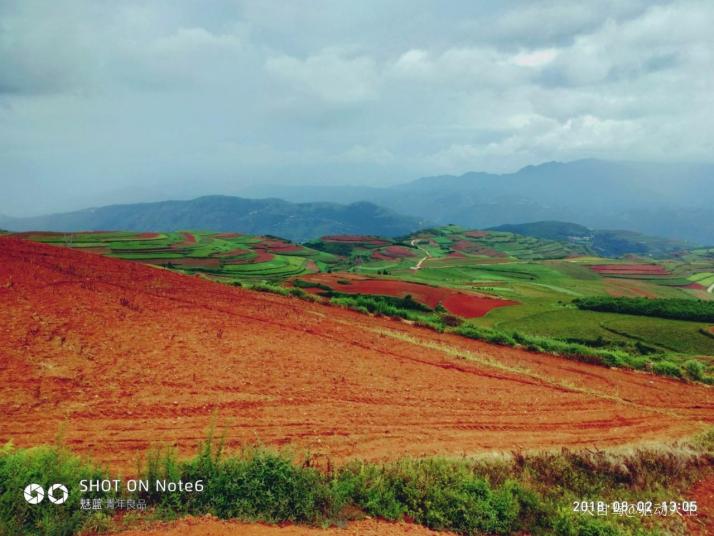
[(671, 200), (607, 243), (295, 221)]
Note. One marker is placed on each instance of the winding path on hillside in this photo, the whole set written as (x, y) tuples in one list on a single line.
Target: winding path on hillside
[(427, 255)]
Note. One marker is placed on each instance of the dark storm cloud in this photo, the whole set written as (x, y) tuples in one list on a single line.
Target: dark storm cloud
[(120, 101)]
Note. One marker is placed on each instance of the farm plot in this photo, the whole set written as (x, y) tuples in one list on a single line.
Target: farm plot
[(467, 305), (224, 256)]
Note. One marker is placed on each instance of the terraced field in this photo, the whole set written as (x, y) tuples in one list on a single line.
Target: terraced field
[(228, 257), (541, 276), (464, 304)]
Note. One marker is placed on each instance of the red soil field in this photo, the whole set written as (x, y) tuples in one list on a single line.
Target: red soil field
[(392, 253), (627, 288), (476, 234), (278, 246), (210, 526), (476, 249), (311, 266), (260, 256), (148, 235), (120, 356), (695, 286), (458, 303), (235, 252), (630, 269), (228, 235), (359, 239), (399, 251), (190, 238)]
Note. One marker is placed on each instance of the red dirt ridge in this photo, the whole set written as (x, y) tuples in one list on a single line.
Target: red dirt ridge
[(393, 252), (629, 269), (355, 239)]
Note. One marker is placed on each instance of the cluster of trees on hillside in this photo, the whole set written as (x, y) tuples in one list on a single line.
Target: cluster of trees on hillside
[(698, 310)]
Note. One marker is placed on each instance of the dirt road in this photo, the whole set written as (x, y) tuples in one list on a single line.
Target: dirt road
[(425, 257)]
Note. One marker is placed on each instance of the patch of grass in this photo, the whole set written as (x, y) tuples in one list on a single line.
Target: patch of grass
[(45, 466), (505, 494), (659, 364), (406, 308), (265, 286), (697, 310), (301, 283)]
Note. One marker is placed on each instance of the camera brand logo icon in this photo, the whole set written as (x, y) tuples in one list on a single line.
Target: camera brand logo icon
[(55, 489), (35, 494)]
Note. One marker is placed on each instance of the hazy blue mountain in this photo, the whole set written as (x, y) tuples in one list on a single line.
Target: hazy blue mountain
[(672, 200), (223, 213), (608, 243), (550, 230)]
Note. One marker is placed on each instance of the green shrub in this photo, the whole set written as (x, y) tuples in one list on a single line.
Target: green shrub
[(526, 493), (441, 495), (667, 368), (257, 484), (567, 525), (581, 352), (679, 309), (694, 369), (450, 320), (301, 283), (44, 466), (390, 306)]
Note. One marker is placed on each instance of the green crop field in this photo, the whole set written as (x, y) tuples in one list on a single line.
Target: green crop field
[(228, 257)]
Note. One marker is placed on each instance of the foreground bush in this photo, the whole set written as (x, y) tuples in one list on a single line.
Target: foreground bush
[(513, 494), (44, 466)]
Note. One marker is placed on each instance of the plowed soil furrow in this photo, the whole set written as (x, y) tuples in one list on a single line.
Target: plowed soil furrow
[(120, 356)]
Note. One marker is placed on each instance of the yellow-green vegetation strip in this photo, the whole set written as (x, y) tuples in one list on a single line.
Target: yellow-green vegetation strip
[(523, 492)]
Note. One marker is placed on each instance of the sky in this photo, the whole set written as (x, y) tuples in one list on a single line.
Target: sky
[(106, 101)]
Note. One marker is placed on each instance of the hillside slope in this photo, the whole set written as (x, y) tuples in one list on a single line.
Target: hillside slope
[(229, 214), (606, 243), (120, 356), (670, 200)]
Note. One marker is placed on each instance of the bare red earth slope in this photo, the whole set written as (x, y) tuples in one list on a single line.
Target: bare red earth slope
[(120, 356)]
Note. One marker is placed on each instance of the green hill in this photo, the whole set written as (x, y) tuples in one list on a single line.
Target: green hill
[(607, 243), (296, 221)]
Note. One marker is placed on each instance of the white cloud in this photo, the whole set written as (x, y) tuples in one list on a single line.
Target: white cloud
[(133, 90), (534, 58), (330, 75)]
